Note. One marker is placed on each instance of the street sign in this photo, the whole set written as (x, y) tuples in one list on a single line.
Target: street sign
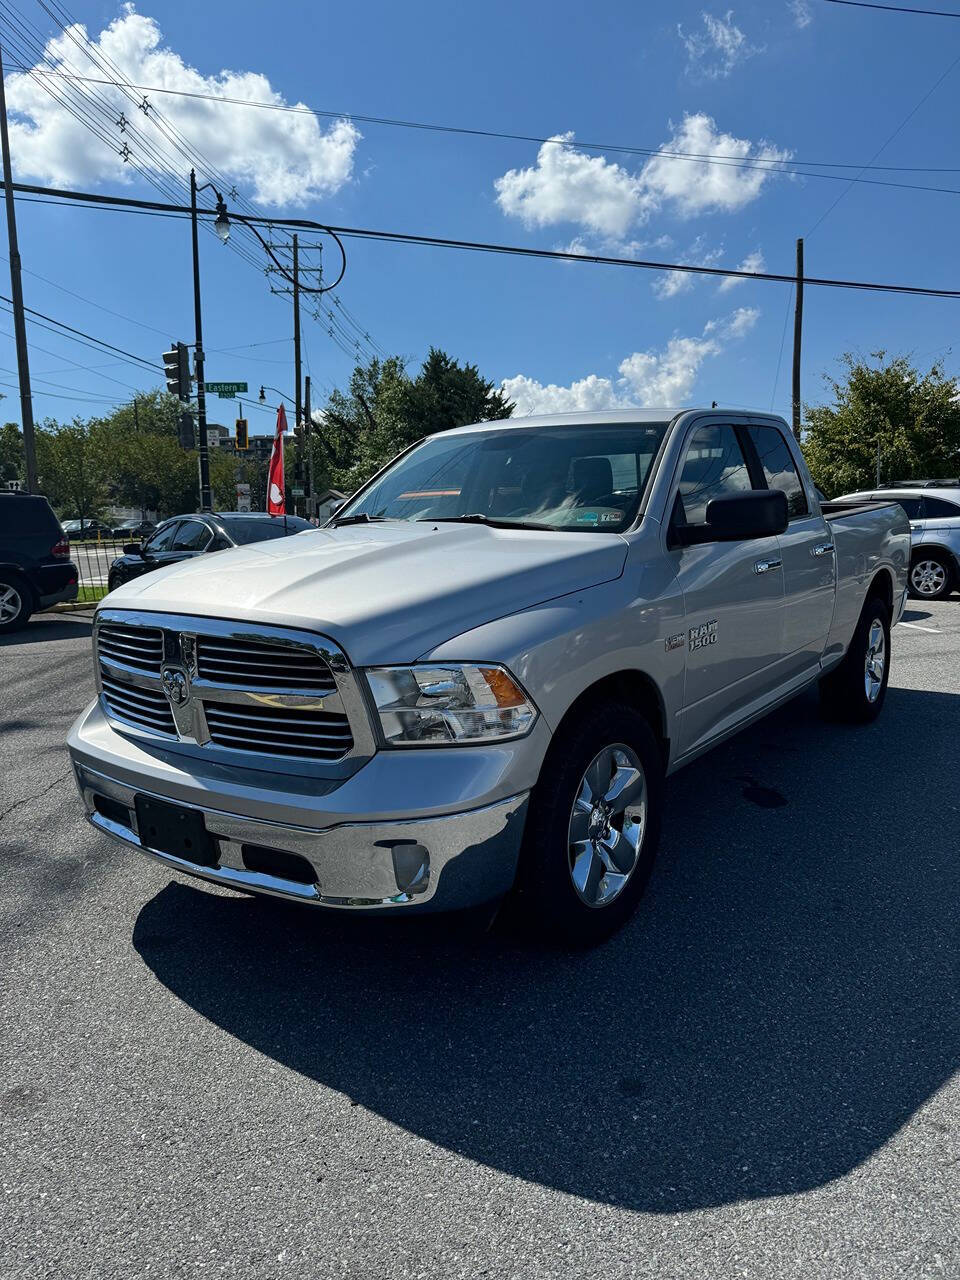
[(297, 493), (243, 497), (225, 390)]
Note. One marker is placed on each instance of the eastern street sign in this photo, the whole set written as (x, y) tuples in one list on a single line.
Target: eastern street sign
[(225, 390)]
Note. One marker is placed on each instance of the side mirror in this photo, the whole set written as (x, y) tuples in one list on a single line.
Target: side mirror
[(132, 549), (337, 506), (757, 513)]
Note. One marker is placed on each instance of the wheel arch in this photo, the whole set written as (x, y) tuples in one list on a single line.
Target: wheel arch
[(941, 552), (881, 588), (636, 689)]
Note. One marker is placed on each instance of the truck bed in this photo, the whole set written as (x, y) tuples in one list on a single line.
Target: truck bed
[(837, 510)]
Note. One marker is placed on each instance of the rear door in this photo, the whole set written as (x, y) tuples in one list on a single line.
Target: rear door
[(732, 593), (806, 547)]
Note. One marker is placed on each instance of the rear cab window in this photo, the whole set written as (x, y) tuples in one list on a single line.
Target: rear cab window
[(779, 468), (22, 515)]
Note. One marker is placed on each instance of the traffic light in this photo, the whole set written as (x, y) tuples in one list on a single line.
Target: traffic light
[(243, 435), (176, 364), (185, 431)]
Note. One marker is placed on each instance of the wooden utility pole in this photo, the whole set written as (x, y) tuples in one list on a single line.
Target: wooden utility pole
[(797, 333), (16, 290), (308, 444), (297, 371)]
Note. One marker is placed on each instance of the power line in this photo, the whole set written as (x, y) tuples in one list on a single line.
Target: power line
[(897, 131), (747, 162), (477, 246), (897, 8)]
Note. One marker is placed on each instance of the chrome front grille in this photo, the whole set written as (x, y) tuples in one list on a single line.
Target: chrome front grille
[(228, 688), (146, 707), (288, 731), (140, 647), (265, 664)]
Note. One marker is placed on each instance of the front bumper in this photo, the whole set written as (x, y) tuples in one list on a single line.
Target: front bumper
[(454, 842)]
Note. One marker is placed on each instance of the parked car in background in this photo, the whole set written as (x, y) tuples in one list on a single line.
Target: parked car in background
[(473, 681), (131, 529), (183, 537), (933, 508), (86, 530), (35, 566)]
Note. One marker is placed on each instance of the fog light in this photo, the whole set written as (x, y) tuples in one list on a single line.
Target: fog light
[(411, 865)]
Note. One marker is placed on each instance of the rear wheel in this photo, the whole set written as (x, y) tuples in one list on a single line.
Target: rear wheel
[(856, 689), (16, 602), (593, 826), (931, 576)]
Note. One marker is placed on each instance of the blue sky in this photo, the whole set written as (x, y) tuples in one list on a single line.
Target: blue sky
[(808, 80)]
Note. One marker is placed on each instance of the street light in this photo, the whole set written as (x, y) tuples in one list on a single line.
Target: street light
[(222, 228), (263, 395)]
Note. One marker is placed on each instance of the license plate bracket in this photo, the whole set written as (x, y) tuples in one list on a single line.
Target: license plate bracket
[(174, 829)]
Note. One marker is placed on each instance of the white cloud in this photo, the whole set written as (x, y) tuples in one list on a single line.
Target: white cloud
[(671, 283), (694, 188), (276, 157), (566, 185), (752, 262), (802, 14), (570, 186), (719, 48), (647, 378)]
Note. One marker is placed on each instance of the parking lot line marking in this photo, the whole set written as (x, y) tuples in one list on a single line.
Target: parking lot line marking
[(917, 627)]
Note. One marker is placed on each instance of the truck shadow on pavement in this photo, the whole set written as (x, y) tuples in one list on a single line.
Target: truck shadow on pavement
[(784, 1001)]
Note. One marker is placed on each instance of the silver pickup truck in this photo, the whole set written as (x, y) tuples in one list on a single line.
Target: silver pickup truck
[(471, 685)]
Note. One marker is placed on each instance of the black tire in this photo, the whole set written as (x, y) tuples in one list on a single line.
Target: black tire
[(16, 602), (844, 692), (930, 584), (112, 582), (545, 899)]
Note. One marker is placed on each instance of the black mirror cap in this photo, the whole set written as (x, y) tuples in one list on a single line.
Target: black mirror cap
[(756, 513), (131, 549)]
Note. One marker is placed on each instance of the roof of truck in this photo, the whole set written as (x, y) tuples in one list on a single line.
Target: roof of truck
[(602, 417)]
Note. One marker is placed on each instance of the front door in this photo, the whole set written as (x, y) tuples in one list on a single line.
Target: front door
[(732, 594)]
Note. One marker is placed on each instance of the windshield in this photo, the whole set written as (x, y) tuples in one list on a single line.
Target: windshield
[(588, 478)]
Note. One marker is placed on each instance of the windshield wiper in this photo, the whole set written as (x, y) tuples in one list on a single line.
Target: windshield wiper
[(360, 518), (477, 517)]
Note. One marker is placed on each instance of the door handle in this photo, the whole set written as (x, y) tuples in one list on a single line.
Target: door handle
[(764, 566), (824, 549)]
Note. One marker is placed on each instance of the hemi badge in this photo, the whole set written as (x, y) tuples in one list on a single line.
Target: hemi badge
[(674, 642)]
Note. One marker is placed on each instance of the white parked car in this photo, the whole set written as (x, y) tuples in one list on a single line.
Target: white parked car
[(933, 508)]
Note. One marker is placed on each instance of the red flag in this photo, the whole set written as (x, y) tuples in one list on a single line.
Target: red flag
[(276, 493)]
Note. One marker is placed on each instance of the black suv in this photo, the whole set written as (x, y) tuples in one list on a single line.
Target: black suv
[(183, 537), (35, 566)]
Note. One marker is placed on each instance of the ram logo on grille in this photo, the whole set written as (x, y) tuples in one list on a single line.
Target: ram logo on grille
[(175, 685)]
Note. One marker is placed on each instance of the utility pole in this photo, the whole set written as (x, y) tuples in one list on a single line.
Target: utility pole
[(308, 442), (297, 370), (206, 502), (797, 333), (16, 289)]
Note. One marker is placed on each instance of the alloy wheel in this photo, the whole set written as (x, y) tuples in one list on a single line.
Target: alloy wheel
[(607, 824), (11, 603), (928, 577), (875, 661)]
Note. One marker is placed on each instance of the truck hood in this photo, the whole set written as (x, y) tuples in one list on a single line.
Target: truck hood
[(385, 592)]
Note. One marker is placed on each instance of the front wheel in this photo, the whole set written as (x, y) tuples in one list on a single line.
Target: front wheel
[(593, 826), (856, 689)]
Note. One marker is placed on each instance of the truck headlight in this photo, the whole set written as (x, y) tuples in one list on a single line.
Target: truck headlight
[(449, 703)]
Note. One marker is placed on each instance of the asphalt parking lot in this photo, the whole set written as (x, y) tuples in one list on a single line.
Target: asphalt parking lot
[(756, 1078)]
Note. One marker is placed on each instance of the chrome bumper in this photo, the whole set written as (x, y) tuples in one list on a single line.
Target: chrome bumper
[(441, 864)]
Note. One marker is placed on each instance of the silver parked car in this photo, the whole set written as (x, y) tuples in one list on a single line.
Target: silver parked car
[(933, 508)]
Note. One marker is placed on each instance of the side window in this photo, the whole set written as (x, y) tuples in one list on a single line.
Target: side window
[(910, 505), (193, 535), (714, 467), (779, 468), (939, 509), (161, 540)]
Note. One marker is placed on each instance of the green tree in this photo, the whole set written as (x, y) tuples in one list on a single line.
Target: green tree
[(71, 468), (12, 464), (385, 410), (912, 419)]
